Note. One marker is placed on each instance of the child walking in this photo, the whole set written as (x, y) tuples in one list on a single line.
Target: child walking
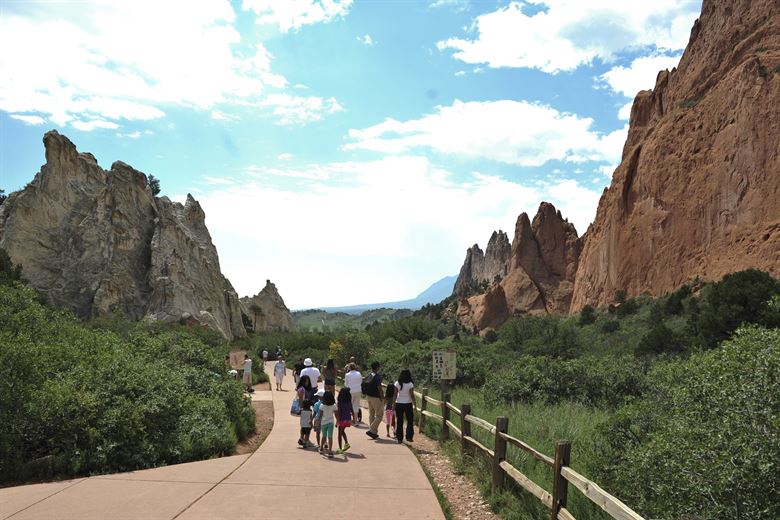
[(306, 422), (317, 421), (344, 414), (327, 420), (389, 412)]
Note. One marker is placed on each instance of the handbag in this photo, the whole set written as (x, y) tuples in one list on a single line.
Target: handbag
[(295, 409)]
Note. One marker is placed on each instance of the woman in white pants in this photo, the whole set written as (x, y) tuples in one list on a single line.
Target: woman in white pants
[(279, 369)]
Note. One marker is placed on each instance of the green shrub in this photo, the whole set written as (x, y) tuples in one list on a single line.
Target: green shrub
[(705, 440), (76, 400), (587, 315)]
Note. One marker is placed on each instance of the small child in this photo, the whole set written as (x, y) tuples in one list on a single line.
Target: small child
[(344, 415), (389, 412), (306, 422), (327, 409), (317, 422)]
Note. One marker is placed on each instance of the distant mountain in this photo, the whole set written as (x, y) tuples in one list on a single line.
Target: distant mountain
[(317, 319), (433, 294)]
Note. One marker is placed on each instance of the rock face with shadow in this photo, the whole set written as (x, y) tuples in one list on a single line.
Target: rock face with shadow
[(267, 310), (98, 242), (697, 193), (539, 273)]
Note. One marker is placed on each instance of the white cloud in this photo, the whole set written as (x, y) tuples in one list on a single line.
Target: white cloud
[(298, 109), (29, 119), (366, 40), (561, 35), (88, 126), (218, 181), (512, 132), (401, 216), (130, 135), (456, 5), (294, 14), (118, 61), (285, 156), (218, 115)]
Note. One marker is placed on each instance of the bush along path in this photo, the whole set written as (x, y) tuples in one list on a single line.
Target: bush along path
[(378, 476)]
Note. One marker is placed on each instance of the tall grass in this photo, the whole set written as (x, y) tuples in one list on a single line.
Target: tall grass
[(540, 426)]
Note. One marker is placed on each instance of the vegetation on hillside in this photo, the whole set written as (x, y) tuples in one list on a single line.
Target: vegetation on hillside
[(78, 399), (316, 319)]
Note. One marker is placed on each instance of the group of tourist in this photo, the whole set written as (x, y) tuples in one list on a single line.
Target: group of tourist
[(325, 410)]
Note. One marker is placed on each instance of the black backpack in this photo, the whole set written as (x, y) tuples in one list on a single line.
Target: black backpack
[(369, 383)]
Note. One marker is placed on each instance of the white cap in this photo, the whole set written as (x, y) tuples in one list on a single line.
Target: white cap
[(307, 362)]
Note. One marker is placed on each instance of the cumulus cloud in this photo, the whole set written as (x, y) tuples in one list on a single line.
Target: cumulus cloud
[(88, 126), (285, 156), (28, 119), (130, 135), (400, 215), (561, 35), (218, 115), (126, 61), (366, 40), (512, 132), (299, 110), (294, 14)]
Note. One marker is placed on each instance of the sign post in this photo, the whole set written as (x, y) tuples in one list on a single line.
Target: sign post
[(444, 369)]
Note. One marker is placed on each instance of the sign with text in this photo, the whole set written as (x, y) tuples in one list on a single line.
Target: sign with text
[(237, 359), (444, 366)]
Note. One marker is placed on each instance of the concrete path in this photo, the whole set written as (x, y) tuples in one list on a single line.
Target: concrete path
[(375, 479)]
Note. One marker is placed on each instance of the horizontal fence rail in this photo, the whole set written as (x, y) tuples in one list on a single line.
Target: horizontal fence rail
[(562, 474)]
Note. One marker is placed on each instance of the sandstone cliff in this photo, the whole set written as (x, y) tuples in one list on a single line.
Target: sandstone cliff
[(98, 241), (270, 312), (698, 190), (539, 276), (479, 267)]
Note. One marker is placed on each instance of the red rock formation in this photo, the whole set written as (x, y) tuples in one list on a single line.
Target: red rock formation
[(698, 190), (539, 273), (482, 267)]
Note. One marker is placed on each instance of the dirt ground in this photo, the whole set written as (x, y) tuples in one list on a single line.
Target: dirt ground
[(465, 499), (264, 421)]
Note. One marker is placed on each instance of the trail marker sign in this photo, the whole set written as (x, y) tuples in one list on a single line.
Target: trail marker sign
[(444, 366)]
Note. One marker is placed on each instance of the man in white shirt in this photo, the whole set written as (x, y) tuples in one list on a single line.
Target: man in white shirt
[(311, 371), (353, 380)]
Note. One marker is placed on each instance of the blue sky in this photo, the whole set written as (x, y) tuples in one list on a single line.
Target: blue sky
[(348, 151)]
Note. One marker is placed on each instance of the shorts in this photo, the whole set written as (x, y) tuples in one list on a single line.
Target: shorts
[(389, 415), (327, 430), (344, 424), (305, 431)]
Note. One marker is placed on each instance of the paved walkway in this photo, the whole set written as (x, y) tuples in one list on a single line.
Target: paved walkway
[(375, 479)]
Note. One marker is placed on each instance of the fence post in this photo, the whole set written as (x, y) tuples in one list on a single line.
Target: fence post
[(445, 413), (465, 427), (423, 407), (560, 485), (502, 426)]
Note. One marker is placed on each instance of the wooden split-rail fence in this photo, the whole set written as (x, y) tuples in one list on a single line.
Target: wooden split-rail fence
[(562, 473)]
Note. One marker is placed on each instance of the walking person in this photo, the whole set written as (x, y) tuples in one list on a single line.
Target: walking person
[(389, 412), (344, 414), (404, 406), (248, 373), (354, 381), (304, 390), (317, 416), (327, 421), (297, 367), (265, 355), (306, 424), (329, 376), (312, 372), (279, 370), (372, 387)]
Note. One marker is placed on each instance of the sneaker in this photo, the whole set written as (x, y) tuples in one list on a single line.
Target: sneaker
[(300, 442), (373, 435), (339, 451), (400, 441), (330, 455), (346, 447)]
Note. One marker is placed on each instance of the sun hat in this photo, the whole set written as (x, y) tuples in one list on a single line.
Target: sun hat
[(307, 362)]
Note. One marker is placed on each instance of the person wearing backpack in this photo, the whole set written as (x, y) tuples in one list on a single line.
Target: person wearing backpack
[(372, 387), (354, 381)]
